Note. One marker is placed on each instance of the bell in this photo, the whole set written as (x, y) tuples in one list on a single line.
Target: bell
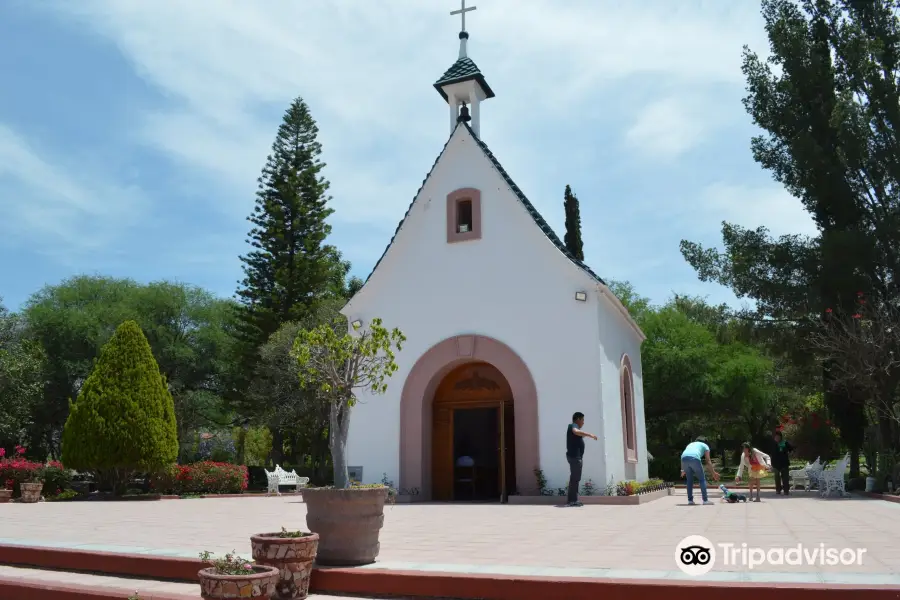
[(464, 114)]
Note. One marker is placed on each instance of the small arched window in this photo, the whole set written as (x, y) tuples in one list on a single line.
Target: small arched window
[(629, 429)]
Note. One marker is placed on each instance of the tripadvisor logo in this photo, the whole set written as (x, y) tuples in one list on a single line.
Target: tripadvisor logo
[(695, 555)]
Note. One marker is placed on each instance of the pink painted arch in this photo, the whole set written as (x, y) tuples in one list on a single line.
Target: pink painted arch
[(418, 394)]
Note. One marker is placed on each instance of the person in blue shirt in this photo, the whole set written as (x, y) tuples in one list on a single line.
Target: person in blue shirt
[(692, 466)]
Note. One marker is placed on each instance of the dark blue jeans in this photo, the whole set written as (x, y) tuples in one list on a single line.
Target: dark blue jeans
[(692, 468)]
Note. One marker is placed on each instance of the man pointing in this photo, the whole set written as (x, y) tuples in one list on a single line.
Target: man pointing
[(574, 454)]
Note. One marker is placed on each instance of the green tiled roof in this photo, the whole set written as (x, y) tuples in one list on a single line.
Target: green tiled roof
[(538, 219), (463, 69)]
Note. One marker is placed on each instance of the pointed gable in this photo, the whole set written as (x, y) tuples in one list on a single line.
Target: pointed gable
[(517, 192)]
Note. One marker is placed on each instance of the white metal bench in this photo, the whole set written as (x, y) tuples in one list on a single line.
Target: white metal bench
[(832, 480), (280, 477), (800, 477), (814, 474)]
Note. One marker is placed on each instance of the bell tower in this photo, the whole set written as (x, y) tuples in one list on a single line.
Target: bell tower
[(463, 86)]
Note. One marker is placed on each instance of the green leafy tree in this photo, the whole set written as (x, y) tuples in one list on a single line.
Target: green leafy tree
[(337, 364), (189, 330), (827, 101), (124, 418), (572, 238), (21, 379)]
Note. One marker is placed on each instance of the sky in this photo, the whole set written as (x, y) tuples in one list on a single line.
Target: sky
[(132, 133)]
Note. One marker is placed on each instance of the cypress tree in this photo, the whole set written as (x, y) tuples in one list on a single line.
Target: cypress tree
[(290, 267), (124, 418), (573, 225)]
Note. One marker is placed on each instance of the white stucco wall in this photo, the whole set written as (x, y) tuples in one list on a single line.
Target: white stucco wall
[(618, 338), (512, 285)]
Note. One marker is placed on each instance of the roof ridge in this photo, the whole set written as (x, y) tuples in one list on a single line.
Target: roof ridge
[(409, 208), (538, 219)]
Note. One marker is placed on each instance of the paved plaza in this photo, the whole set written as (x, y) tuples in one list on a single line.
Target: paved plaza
[(592, 541)]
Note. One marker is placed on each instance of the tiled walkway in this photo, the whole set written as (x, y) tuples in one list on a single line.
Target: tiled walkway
[(593, 541)]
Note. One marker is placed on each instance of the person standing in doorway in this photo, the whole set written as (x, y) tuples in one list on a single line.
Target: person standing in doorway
[(781, 464), (692, 466), (575, 454)]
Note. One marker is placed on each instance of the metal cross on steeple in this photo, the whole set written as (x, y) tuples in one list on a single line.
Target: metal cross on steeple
[(462, 11)]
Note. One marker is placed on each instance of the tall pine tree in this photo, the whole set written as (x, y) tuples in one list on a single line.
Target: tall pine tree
[(290, 268), (573, 225)]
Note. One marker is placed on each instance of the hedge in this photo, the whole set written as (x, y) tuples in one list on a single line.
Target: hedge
[(205, 477)]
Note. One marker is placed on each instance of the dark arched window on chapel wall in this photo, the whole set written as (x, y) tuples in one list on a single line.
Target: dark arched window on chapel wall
[(629, 429)]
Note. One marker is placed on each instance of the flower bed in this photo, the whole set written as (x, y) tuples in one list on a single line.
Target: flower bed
[(18, 469), (634, 488), (205, 477)]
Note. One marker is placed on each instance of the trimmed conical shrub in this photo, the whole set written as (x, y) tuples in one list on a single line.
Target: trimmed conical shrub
[(124, 418)]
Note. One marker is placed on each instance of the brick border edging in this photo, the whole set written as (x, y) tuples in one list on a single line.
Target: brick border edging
[(414, 583), (632, 500), (880, 496), (17, 588)]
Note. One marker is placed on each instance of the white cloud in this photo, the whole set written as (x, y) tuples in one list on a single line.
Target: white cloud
[(366, 69), (770, 206), (669, 127), (56, 208), (227, 69)]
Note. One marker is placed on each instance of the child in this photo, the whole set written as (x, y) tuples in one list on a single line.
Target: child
[(731, 497), (758, 463)]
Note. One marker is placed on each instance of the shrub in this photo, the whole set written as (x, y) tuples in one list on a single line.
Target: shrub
[(17, 470), (666, 466), (124, 418), (201, 478), (56, 478), (64, 495), (811, 435)]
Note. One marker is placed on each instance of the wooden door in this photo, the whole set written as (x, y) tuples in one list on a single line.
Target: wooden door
[(442, 454), (509, 457), (502, 450)]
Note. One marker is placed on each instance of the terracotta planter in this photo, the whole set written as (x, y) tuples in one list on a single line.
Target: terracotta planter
[(31, 492), (260, 584), (348, 522), (292, 556), (5, 496)]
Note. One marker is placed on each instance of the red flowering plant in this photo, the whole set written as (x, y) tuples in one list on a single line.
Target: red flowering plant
[(17, 470), (205, 477), (811, 434), (861, 344)]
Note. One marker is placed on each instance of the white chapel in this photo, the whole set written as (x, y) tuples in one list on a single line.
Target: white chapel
[(507, 334)]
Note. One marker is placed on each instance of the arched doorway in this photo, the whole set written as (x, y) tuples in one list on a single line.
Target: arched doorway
[(473, 435), (417, 401)]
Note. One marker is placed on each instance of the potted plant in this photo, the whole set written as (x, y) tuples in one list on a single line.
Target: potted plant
[(338, 363), (31, 489), (293, 553), (234, 577)]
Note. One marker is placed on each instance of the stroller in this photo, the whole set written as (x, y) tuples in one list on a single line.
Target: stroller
[(731, 497)]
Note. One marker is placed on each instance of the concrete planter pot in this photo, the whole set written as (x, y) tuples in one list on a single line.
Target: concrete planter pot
[(260, 584), (31, 492), (293, 557), (5, 496), (348, 522)]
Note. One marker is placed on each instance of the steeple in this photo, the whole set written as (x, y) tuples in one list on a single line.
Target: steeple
[(462, 85)]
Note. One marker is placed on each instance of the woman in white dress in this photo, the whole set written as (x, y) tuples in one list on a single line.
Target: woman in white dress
[(758, 463)]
